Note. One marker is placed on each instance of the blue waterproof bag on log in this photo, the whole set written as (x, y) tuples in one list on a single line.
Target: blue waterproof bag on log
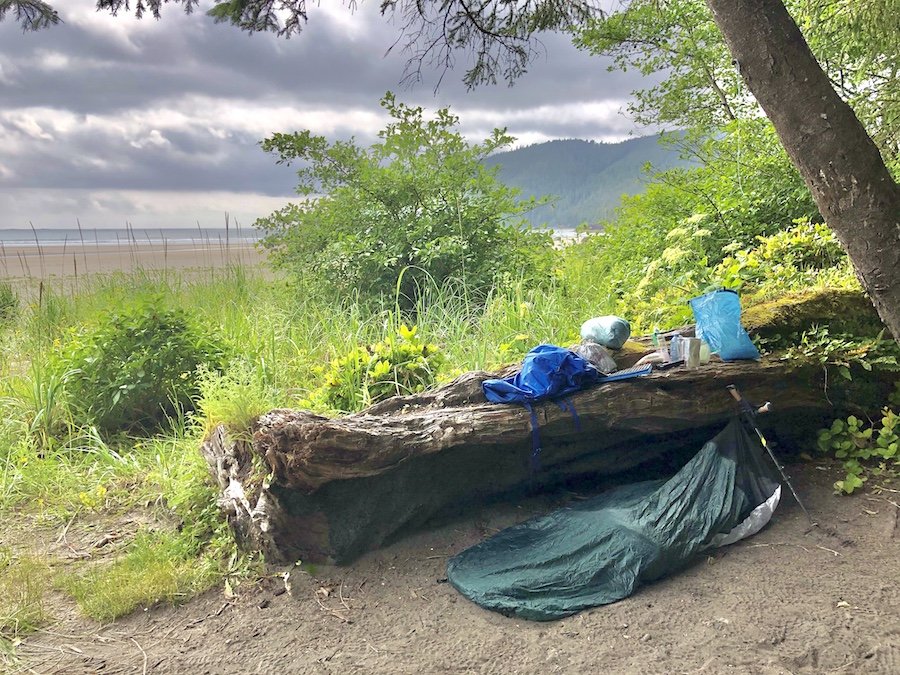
[(718, 318)]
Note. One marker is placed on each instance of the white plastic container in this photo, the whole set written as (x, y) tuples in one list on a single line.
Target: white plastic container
[(691, 349)]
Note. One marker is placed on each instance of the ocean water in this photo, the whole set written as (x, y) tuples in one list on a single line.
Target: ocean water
[(127, 236)]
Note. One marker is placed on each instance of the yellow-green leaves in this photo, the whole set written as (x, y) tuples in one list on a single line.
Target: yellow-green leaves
[(401, 363)]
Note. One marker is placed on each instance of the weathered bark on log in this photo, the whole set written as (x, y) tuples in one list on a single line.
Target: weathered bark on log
[(312, 488)]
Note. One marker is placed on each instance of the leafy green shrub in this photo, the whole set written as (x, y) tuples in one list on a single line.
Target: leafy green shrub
[(843, 351), (680, 272), (793, 258), (418, 208), (804, 256), (860, 445), (400, 364), (136, 368)]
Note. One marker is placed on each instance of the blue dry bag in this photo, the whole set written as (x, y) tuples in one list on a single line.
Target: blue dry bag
[(718, 317), (548, 372)]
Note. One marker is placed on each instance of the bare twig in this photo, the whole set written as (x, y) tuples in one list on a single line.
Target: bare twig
[(143, 653), (333, 612), (341, 596), (62, 535)]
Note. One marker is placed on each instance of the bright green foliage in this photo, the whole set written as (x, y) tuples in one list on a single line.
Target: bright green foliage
[(843, 352), (866, 449), (857, 42), (9, 303), (37, 400), (654, 288), (235, 397), (744, 187), (402, 363), (417, 208), (701, 89), (136, 368), (792, 258)]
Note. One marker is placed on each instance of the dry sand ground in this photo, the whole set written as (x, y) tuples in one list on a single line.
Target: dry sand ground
[(785, 601), (80, 259)]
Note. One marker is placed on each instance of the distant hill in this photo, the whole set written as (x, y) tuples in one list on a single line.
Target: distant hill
[(588, 178)]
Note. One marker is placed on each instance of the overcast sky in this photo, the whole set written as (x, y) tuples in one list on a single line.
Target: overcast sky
[(157, 123)]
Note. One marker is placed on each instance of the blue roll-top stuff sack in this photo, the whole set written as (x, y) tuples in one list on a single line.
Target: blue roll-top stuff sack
[(718, 318), (548, 372), (609, 331)]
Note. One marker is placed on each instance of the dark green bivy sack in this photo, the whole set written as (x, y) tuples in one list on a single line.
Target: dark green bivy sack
[(600, 550)]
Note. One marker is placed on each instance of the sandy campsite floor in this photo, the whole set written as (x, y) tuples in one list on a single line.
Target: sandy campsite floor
[(782, 602)]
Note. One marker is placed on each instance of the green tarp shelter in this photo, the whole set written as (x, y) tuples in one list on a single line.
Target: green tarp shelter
[(600, 550)]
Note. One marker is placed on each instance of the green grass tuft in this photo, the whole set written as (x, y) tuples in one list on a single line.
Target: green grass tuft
[(23, 582), (158, 567)]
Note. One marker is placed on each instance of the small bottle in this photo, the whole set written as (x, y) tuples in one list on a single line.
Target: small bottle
[(676, 347), (659, 341)]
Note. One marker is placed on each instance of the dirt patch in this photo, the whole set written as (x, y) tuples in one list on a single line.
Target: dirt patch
[(785, 601)]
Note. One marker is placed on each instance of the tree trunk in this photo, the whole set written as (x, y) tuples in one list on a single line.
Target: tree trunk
[(826, 142)]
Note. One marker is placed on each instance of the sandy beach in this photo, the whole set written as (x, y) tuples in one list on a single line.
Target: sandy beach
[(72, 260), (789, 600)]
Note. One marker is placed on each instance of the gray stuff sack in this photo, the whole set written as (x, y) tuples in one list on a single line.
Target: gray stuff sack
[(609, 331)]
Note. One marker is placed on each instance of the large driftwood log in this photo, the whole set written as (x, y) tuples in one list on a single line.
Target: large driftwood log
[(318, 489)]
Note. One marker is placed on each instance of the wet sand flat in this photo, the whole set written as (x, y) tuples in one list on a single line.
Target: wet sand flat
[(33, 262)]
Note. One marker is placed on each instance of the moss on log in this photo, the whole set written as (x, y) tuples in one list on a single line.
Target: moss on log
[(842, 311)]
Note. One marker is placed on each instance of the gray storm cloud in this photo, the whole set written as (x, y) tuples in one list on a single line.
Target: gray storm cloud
[(123, 108)]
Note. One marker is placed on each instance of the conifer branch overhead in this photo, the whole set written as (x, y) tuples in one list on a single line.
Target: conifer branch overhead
[(29, 14)]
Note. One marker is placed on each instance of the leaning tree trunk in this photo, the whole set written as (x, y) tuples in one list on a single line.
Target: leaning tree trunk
[(826, 142)]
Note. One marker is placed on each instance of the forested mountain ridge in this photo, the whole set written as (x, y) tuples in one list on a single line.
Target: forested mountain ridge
[(587, 178)]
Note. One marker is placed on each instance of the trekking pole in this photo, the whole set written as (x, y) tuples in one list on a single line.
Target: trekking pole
[(750, 415)]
